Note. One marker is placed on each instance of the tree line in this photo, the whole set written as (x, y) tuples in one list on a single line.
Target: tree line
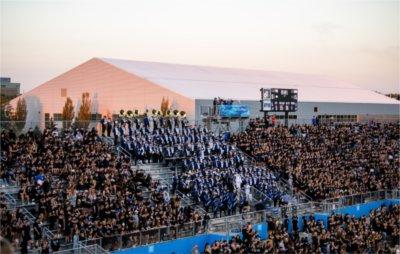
[(82, 119), (17, 116)]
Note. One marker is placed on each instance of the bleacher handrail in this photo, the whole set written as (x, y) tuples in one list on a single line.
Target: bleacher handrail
[(224, 224), (124, 151), (81, 248), (282, 181)]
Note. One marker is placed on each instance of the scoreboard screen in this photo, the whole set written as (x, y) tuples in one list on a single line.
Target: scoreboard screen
[(233, 111), (279, 99)]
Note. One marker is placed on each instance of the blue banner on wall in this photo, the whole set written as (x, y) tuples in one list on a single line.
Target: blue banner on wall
[(234, 111), (185, 245)]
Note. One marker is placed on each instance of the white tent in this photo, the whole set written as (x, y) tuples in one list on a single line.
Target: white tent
[(203, 82)]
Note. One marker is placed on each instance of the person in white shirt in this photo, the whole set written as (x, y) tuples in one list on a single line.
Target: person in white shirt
[(55, 133), (238, 181), (167, 198), (79, 136), (249, 197)]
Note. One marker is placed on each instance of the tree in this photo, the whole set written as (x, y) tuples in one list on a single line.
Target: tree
[(67, 113), (4, 116), (84, 113), (5, 112), (19, 115), (164, 106)]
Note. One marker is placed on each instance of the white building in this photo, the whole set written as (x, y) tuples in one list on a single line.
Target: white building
[(124, 84)]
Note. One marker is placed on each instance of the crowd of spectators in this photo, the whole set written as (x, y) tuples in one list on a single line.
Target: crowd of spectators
[(17, 229), (327, 161), (219, 101), (213, 172), (379, 232), (81, 189)]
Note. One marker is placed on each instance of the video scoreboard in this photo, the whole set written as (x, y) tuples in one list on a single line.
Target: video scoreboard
[(279, 99)]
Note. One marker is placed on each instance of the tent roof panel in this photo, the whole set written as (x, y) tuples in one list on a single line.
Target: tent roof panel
[(203, 82)]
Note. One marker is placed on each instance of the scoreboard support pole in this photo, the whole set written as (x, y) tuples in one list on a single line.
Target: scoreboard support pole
[(266, 119), (286, 118)]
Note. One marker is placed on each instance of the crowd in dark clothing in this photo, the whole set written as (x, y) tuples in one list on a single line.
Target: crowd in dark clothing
[(328, 161), (214, 173), (18, 230), (82, 189), (219, 101), (379, 232)]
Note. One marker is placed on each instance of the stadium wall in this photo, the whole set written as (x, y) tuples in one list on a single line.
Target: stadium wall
[(306, 111), (185, 245)]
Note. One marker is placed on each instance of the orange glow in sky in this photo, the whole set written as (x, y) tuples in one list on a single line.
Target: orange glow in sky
[(357, 41)]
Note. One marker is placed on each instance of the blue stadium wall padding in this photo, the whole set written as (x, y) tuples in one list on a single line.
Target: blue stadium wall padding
[(178, 246), (262, 230), (364, 209), (185, 245)]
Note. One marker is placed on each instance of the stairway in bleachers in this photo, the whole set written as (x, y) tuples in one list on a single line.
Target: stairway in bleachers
[(157, 171), (10, 194), (164, 174), (296, 198)]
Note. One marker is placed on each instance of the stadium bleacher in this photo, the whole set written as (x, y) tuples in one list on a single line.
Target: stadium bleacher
[(212, 172), (327, 160), (82, 190), (161, 179)]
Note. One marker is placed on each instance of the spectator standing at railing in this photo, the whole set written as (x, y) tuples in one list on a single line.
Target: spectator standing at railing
[(273, 120), (214, 106), (146, 121), (314, 121), (109, 127), (103, 123)]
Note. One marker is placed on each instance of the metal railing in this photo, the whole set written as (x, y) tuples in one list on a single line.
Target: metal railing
[(328, 205), (228, 225), (299, 195), (107, 140), (23, 126), (225, 225), (80, 248), (122, 150), (149, 236), (363, 197), (217, 127), (13, 203)]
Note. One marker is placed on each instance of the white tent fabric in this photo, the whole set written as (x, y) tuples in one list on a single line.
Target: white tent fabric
[(202, 82)]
